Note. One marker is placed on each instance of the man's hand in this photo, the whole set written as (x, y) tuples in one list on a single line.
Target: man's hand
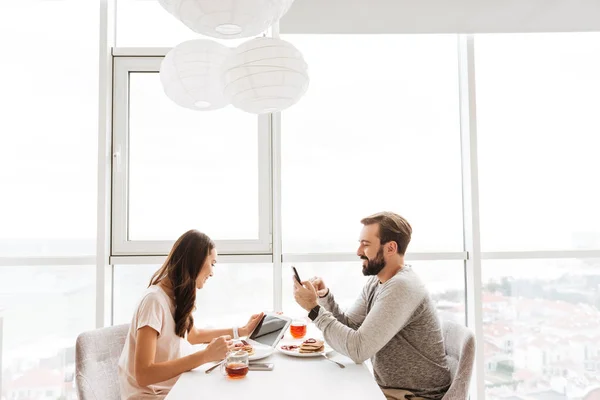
[(249, 327), (305, 295), (319, 286)]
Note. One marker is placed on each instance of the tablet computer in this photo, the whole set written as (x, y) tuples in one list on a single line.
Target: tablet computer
[(270, 330)]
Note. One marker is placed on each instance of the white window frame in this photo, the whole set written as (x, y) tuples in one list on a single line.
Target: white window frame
[(121, 244)]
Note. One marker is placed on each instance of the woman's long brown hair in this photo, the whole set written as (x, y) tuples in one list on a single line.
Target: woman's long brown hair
[(182, 267)]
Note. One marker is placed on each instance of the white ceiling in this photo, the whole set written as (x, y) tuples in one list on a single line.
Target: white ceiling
[(441, 16)]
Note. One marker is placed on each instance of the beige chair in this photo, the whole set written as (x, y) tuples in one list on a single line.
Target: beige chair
[(97, 355), (459, 342)]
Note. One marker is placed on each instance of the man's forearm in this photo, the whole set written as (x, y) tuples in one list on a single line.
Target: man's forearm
[(328, 303), (392, 309), (343, 338)]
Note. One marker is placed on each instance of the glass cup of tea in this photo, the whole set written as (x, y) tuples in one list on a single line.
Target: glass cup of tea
[(298, 329), (235, 365)]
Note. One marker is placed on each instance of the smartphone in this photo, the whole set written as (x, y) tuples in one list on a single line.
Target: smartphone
[(260, 367), (296, 275)]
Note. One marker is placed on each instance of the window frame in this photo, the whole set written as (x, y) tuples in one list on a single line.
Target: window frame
[(121, 245)]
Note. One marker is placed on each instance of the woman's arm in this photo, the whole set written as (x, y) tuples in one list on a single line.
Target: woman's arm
[(147, 372), (197, 335)]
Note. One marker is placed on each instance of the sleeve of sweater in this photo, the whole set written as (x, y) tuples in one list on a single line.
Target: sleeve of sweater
[(393, 308), (354, 316)]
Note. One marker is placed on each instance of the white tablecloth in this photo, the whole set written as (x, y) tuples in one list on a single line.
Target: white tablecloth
[(292, 378)]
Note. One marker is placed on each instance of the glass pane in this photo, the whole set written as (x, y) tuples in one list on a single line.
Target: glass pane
[(444, 280), (49, 127), (541, 327), (538, 97), (377, 130), (137, 21), (189, 169), (42, 311), (235, 292)]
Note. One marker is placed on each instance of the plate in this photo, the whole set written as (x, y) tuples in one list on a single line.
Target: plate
[(296, 352), (260, 353)]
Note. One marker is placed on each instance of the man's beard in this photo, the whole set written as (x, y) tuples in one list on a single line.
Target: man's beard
[(374, 266)]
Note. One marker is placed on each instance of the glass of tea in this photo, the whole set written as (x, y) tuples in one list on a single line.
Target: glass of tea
[(298, 329), (235, 365)]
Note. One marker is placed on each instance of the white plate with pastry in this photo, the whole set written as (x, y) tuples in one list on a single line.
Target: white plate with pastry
[(308, 348), (255, 351), (266, 335)]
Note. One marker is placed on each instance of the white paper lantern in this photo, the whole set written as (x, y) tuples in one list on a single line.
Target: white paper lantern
[(227, 19), (191, 74), (265, 75)]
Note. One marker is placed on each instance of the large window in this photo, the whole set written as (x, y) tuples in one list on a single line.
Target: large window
[(538, 126), (48, 181), (235, 292), (42, 310), (177, 169), (377, 130), (537, 97), (444, 280), (49, 98), (541, 321)]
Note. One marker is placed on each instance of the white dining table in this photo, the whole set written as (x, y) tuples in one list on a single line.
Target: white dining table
[(292, 378)]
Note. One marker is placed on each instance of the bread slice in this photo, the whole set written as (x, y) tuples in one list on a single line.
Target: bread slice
[(245, 346), (312, 346), (318, 350)]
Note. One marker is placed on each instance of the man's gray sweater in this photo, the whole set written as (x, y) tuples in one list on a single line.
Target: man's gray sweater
[(395, 325)]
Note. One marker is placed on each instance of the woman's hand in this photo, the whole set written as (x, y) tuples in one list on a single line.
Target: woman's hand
[(249, 327), (217, 349)]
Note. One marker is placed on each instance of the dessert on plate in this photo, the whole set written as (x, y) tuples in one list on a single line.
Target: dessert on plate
[(308, 346), (312, 346), (245, 346)]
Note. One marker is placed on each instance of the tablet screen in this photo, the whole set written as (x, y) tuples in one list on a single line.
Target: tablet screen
[(269, 330)]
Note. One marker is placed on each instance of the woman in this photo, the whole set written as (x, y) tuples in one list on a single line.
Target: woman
[(155, 349)]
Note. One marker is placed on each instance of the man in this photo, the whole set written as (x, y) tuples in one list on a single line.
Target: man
[(393, 322)]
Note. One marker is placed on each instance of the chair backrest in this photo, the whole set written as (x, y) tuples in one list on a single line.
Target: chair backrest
[(459, 342), (97, 355)]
